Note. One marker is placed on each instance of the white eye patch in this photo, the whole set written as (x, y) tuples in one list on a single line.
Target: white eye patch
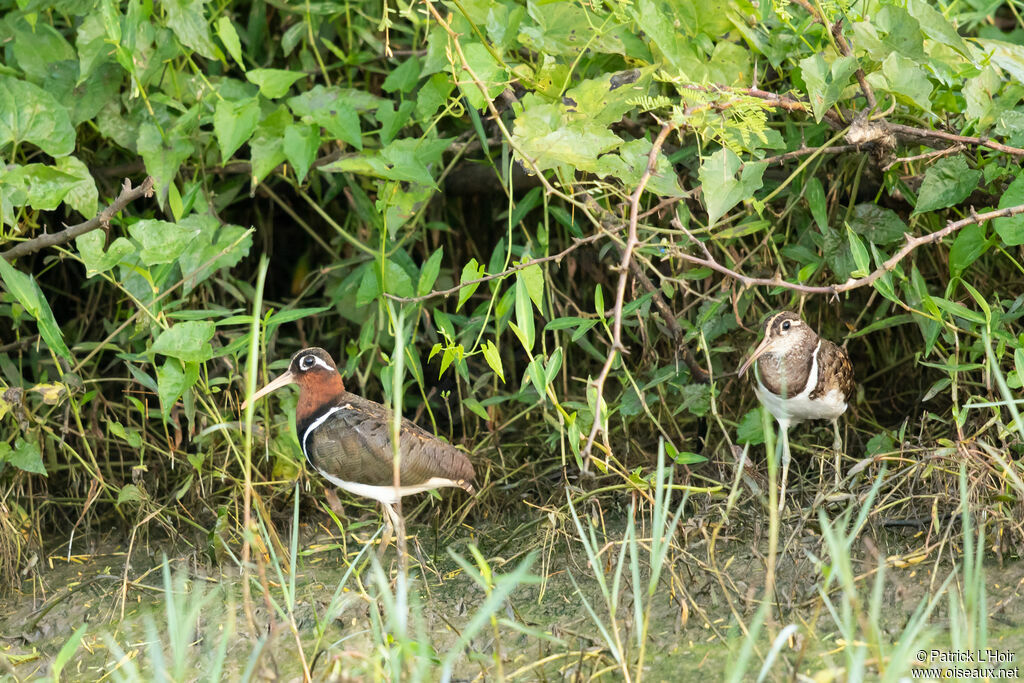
[(308, 362)]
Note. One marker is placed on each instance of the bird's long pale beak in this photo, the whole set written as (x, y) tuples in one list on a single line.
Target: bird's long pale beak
[(282, 380), (761, 348)]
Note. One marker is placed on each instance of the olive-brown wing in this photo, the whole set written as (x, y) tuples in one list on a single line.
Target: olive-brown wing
[(834, 370), (354, 444)]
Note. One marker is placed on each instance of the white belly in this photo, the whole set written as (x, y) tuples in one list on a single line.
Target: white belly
[(800, 407), (386, 494)]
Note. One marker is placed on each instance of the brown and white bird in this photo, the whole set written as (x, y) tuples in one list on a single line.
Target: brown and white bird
[(347, 439), (800, 376)]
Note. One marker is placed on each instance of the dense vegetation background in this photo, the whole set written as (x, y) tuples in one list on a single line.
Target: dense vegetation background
[(568, 218)]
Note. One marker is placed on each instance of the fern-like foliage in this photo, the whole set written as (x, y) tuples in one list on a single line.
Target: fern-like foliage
[(728, 116)]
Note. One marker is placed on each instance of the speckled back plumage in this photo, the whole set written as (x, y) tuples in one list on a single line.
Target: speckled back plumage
[(835, 370), (354, 443)]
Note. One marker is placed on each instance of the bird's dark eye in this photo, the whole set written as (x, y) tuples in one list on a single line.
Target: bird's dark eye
[(785, 325), (307, 362)]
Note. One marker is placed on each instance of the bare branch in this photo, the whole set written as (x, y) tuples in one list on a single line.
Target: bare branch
[(930, 137), (911, 244), (101, 220), (620, 292)]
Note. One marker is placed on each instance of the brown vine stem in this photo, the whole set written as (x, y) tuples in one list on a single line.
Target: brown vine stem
[(910, 245), (620, 291), (844, 48), (930, 137), (101, 220)]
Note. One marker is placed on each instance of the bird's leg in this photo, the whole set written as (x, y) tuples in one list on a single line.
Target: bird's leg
[(784, 428), (389, 529), (397, 524), (837, 446)]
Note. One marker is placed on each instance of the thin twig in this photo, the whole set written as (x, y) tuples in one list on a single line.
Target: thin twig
[(620, 293), (805, 151), (934, 154), (932, 136), (101, 220), (911, 244)]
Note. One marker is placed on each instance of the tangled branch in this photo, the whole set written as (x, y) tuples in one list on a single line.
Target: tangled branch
[(889, 265), (101, 220)]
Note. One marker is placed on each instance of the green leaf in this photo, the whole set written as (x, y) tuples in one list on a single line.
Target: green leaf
[(188, 21), (129, 493), (958, 310), (429, 272), (535, 373), (173, 379), (947, 183), (24, 288), (30, 114), (133, 437), (162, 159), (477, 407), (403, 77), (229, 36), (566, 29), (162, 242), (493, 359), (288, 316), (471, 271), (82, 195), (1011, 230), (687, 458), (969, 245), (824, 83), (39, 51), (90, 249), (397, 280), (492, 75), (301, 143), (432, 95), (392, 120), (37, 185), (749, 429), (223, 244), (334, 109), (544, 134), (533, 278), (860, 254), (877, 224), (905, 78), (267, 143), (815, 195), (629, 163), (663, 20), (234, 123), (524, 316), (369, 286), (722, 189), (187, 341), (273, 83), (937, 27), (553, 365), (25, 455)]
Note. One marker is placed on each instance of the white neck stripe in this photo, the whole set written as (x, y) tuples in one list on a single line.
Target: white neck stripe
[(316, 423)]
